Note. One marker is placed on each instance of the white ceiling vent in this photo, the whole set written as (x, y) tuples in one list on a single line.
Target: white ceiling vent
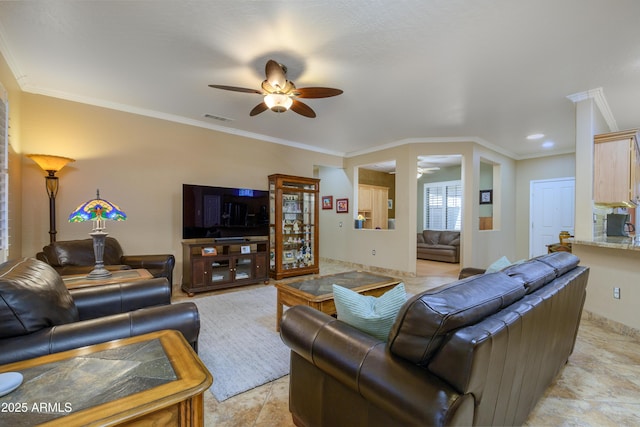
[(222, 119)]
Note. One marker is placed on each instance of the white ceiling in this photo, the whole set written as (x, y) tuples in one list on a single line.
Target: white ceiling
[(493, 70)]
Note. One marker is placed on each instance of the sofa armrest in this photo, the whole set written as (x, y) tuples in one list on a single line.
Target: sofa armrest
[(105, 300), (421, 238), (181, 317), (157, 265), (364, 364), (470, 271), (41, 256)]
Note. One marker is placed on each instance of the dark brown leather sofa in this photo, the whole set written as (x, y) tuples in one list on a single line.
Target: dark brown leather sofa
[(77, 257), (439, 245), (39, 316), (480, 351)]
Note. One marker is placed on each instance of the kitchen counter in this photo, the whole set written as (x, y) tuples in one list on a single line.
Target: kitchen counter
[(614, 242)]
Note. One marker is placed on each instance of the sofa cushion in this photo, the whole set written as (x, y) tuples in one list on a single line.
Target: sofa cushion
[(436, 248), (561, 262), (431, 237), (32, 297), (532, 274), (80, 252), (450, 238), (425, 320), (373, 315)]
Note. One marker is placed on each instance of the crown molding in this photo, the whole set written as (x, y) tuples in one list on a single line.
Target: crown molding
[(597, 95), (177, 119)]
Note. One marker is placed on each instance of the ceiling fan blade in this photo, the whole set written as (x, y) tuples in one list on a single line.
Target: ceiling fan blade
[(317, 92), (258, 109), (236, 89), (302, 109), (276, 75)]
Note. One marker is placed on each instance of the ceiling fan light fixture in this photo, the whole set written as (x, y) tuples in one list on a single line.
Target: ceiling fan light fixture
[(278, 102)]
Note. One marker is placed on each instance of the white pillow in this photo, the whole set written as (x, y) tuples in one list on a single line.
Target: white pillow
[(373, 315), (498, 265)]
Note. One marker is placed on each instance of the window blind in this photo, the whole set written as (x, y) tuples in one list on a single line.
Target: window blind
[(4, 174), (443, 205)]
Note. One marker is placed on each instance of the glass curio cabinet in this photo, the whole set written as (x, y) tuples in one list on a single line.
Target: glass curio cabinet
[(293, 226)]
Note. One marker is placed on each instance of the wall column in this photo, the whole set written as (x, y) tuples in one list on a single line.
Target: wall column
[(587, 105), (584, 170)]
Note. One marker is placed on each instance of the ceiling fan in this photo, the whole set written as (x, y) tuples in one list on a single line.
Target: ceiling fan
[(281, 94)]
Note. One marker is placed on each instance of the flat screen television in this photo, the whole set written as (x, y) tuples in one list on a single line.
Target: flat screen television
[(222, 212)]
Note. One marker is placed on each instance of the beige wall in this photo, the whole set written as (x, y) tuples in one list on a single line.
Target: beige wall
[(611, 268), (562, 166), (489, 245), (334, 227)]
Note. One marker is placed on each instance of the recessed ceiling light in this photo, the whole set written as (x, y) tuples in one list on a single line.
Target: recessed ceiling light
[(548, 144), (535, 136)]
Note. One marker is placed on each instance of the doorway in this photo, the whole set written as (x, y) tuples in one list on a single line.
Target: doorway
[(552, 210)]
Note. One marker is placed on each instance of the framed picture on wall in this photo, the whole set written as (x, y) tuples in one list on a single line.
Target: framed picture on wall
[(327, 202), (486, 197), (342, 205)]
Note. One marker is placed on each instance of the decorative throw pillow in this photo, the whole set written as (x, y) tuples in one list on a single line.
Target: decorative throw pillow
[(373, 315), (498, 265)]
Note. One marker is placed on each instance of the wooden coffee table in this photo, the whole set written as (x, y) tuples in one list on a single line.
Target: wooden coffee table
[(119, 276), (152, 379), (318, 292)]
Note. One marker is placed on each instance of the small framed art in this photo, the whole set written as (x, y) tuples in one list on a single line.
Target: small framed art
[(209, 251), (486, 197), (342, 205), (327, 202)]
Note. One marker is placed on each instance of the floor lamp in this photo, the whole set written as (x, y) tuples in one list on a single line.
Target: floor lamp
[(98, 210), (51, 165)]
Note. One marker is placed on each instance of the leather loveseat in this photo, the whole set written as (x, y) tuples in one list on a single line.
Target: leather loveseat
[(77, 257), (439, 245), (39, 315), (479, 351)]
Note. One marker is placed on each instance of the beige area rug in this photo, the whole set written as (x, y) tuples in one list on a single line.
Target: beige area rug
[(238, 341)]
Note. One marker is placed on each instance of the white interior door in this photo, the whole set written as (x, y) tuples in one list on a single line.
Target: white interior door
[(552, 211)]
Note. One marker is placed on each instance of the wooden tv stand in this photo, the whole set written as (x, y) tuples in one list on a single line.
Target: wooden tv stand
[(212, 264)]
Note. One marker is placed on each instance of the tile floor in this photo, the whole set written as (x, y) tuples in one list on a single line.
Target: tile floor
[(600, 386)]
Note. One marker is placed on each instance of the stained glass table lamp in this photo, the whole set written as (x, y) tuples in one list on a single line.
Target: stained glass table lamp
[(98, 210)]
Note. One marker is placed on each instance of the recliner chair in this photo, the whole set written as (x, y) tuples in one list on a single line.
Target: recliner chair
[(39, 315), (77, 257)]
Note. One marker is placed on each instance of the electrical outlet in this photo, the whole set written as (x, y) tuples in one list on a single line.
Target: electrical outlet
[(616, 293), (373, 252)]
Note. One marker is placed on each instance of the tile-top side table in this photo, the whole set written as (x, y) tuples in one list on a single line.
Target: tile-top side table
[(151, 378)]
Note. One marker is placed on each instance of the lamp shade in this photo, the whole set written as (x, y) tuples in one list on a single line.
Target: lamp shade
[(50, 163), (278, 102), (97, 209)]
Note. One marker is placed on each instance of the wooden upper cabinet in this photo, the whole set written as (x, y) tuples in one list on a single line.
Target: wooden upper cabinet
[(372, 204), (365, 198), (616, 175)]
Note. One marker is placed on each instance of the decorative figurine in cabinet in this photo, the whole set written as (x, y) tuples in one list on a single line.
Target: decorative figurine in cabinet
[(293, 225)]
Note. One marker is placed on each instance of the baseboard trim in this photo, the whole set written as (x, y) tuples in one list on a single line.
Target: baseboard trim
[(617, 327)]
